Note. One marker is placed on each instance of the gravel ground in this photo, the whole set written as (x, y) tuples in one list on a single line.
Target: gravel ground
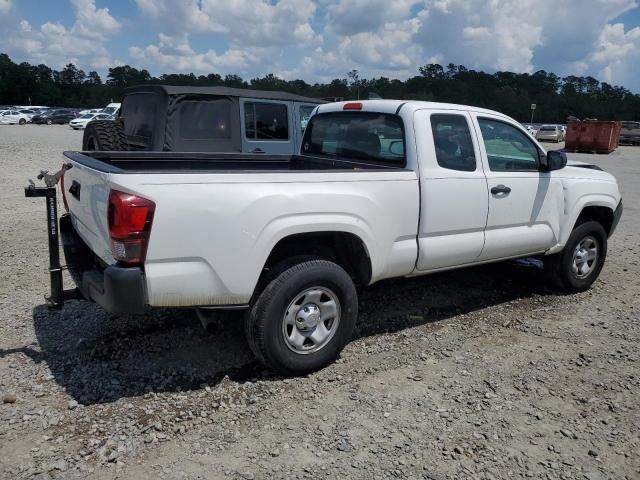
[(483, 373)]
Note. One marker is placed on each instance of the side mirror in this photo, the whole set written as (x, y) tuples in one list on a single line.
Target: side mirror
[(556, 160), (396, 148)]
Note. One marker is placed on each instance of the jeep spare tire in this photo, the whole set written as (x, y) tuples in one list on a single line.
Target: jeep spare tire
[(103, 135)]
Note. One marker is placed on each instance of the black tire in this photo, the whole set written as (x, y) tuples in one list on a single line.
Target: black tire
[(560, 268), (49, 122), (104, 135), (264, 322), (22, 121)]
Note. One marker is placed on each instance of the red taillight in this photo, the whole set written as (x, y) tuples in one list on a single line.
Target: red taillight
[(64, 196), (130, 220), (352, 106)]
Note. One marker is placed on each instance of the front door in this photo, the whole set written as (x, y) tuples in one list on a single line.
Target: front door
[(454, 201), (267, 127), (525, 203)]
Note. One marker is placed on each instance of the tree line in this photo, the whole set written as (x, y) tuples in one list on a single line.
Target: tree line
[(556, 97)]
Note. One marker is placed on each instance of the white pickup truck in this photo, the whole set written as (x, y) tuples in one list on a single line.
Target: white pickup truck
[(381, 189)]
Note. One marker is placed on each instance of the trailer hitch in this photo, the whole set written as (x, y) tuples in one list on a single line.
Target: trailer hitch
[(58, 294)]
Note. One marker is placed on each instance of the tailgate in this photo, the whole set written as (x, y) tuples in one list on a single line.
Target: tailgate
[(87, 194)]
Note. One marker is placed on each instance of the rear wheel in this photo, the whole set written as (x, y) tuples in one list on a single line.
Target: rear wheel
[(103, 135), (303, 318), (49, 122), (580, 262), (22, 121)]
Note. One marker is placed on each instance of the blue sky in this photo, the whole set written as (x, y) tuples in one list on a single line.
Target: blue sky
[(318, 40)]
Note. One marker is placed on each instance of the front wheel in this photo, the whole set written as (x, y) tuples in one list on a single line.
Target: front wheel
[(303, 318), (22, 121), (49, 122), (580, 262)]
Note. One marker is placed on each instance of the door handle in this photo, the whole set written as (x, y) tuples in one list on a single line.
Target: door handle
[(257, 150), (498, 189)]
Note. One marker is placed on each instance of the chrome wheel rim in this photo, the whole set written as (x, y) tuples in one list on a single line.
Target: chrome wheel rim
[(311, 320), (585, 257)]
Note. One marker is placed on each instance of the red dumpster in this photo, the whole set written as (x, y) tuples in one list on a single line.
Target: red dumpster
[(592, 136)]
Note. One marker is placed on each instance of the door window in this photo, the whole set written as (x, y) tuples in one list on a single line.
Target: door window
[(205, 119), (508, 149), (452, 139), (266, 121), (139, 111)]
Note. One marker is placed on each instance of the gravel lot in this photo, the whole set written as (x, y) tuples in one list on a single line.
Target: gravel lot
[(483, 373)]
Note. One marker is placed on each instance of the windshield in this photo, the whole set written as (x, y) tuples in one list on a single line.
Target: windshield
[(87, 115), (548, 129), (356, 135), (109, 110)]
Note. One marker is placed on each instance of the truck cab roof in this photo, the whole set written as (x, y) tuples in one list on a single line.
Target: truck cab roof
[(397, 106)]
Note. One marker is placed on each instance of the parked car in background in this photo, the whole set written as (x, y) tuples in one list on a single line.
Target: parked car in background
[(630, 133), (89, 110), (552, 133), (81, 121), (529, 128), (55, 117), (111, 109), (13, 117), (564, 131), (28, 112)]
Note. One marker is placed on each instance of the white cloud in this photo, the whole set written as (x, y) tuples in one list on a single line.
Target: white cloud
[(479, 34), (255, 32), (518, 35), (386, 52), (243, 22), (92, 21), (174, 54), (320, 40), (5, 6), (618, 55), (56, 45), (355, 16)]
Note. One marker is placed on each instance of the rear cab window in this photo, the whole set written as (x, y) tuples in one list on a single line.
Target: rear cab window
[(369, 136), (453, 142)]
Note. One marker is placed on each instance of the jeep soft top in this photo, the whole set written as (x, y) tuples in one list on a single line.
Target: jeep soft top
[(182, 119)]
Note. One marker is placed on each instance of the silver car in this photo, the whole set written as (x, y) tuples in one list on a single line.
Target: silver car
[(551, 133)]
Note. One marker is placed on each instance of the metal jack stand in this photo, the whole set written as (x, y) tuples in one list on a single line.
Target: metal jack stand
[(58, 294)]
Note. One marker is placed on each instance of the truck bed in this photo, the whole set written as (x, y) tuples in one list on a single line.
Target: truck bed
[(190, 162)]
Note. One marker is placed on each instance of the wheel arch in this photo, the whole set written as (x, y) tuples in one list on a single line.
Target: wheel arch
[(345, 248), (599, 208)]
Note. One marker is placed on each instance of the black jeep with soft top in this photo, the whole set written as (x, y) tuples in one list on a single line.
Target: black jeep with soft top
[(204, 119)]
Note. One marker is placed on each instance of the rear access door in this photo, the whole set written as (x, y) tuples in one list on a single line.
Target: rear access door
[(453, 194)]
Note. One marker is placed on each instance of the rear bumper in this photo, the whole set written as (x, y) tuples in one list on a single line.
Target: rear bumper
[(119, 290), (616, 218)]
